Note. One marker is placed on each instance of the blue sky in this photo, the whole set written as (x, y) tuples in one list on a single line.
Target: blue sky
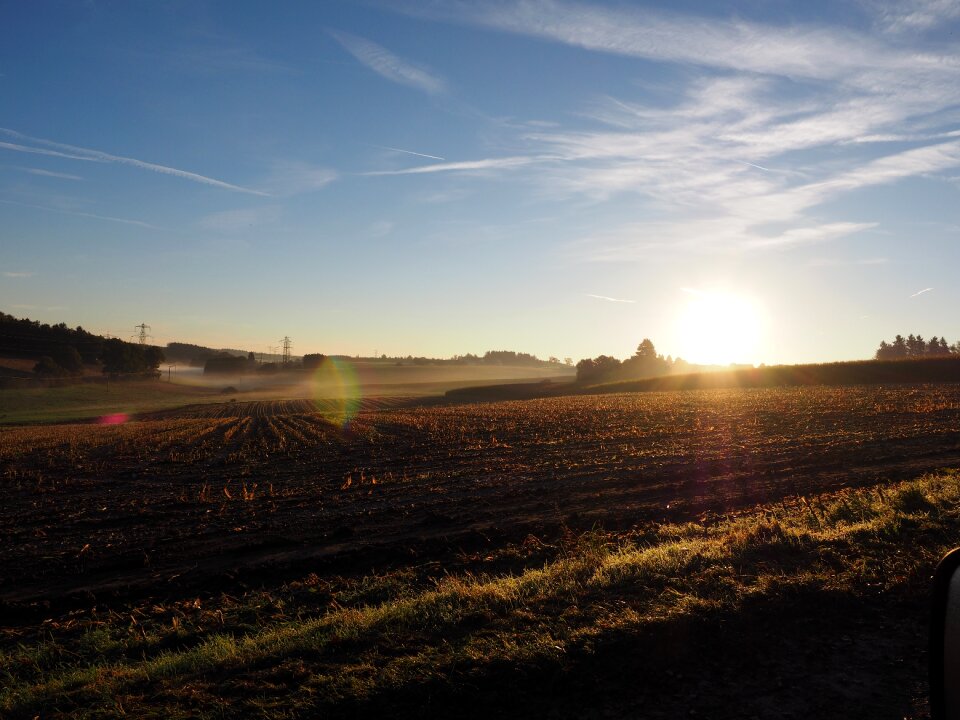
[(441, 178)]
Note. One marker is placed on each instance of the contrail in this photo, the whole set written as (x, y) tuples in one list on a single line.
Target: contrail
[(125, 221), (758, 167), (408, 152), (42, 151), (608, 299), (390, 66), (921, 292), (78, 153)]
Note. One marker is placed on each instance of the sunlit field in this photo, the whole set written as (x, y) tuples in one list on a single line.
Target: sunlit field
[(297, 557), (344, 382), (561, 359)]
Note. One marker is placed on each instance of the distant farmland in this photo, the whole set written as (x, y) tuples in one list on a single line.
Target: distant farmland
[(292, 557)]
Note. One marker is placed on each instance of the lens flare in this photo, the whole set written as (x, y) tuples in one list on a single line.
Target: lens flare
[(113, 419), (337, 390)]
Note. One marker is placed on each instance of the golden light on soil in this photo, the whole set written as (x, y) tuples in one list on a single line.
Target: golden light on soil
[(719, 328)]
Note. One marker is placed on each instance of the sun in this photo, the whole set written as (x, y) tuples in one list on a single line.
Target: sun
[(719, 328)]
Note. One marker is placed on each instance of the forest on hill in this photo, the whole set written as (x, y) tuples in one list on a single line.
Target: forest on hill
[(64, 351)]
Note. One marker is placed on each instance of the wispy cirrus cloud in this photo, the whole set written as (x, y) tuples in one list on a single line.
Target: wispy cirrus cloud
[(73, 152), (914, 15), (803, 51), (17, 274), (736, 161), (296, 178), (385, 63)]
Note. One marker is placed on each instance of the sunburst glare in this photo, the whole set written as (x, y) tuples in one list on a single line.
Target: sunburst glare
[(719, 328)]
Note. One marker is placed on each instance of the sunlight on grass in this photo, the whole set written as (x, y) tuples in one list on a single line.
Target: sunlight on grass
[(598, 586)]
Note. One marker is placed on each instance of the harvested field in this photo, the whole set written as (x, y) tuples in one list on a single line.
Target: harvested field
[(103, 507), (268, 408), (215, 501)]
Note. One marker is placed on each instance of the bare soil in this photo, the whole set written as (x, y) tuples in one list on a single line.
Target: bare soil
[(230, 496), (216, 490)]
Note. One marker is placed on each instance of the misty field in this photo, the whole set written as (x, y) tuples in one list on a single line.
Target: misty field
[(726, 553)]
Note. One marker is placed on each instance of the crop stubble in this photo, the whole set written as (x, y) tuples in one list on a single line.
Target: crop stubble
[(208, 491)]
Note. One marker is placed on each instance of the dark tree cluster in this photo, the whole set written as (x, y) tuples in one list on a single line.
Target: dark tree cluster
[(30, 338), (197, 355), (312, 361), (509, 357), (491, 357), (226, 364), (644, 363), (914, 346), (63, 351), (63, 360), (123, 358)]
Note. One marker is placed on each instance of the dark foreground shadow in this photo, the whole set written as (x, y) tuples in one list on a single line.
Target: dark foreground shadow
[(808, 654)]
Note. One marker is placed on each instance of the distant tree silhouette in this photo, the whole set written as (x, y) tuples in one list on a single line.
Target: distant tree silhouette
[(509, 357), (313, 360), (645, 362), (937, 347), (152, 357), (914, 346), (123, 358), (30, 338), (597, 369)]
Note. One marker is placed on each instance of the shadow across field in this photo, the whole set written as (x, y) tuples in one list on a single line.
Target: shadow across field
[(808, 653)]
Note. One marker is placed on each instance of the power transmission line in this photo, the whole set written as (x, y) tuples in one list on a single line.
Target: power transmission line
[(287, 345)]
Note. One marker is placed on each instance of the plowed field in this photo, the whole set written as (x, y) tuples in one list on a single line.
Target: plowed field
[(221, 494)]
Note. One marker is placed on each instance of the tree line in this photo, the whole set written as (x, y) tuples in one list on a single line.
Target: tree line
[(914, 346), (644, 363), (63, 351)]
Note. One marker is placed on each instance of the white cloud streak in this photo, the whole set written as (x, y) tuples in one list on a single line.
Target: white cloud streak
[(792, 51), (16, 274), (915, 15), (777, 123), (73, 152), (42, 151), (921, 292), (385, 63), (409, 152), (503, 163), (608, 299), (50, 173), (93, 216)]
